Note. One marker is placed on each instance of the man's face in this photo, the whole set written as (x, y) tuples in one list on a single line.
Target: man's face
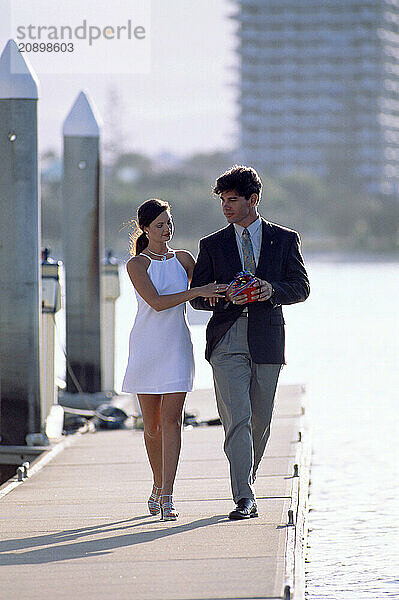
[(237, 208)]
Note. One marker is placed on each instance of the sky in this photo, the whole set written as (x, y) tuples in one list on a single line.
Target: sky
[(184, 105)]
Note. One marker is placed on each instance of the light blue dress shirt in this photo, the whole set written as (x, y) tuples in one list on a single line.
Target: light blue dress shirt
[(255, 232)]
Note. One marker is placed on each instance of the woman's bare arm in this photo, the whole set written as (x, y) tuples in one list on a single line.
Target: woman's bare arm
[(137, 269)]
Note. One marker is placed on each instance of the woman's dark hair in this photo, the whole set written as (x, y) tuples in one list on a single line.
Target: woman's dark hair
[(146, 214), (244, 180)]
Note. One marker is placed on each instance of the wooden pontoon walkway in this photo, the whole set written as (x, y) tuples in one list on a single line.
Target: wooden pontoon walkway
[(78, 526)]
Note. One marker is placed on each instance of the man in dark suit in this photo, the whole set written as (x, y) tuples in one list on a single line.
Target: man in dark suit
[(245, 340)]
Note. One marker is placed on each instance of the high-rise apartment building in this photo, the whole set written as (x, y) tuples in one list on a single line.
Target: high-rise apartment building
[(319, 88)]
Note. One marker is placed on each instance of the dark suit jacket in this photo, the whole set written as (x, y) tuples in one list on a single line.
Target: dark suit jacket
[(280, 263)]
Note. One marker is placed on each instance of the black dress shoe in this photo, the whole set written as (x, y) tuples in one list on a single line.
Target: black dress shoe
[(246, 508)]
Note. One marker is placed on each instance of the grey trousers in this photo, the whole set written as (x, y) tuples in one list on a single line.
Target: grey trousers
[(245, 394)]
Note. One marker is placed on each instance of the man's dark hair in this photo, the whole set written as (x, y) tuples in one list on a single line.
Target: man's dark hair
[(244, 180)]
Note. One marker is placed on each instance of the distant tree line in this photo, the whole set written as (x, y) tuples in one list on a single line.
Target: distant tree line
[(330, 216)]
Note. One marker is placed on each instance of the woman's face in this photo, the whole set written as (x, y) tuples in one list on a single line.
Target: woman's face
[(161, 229)]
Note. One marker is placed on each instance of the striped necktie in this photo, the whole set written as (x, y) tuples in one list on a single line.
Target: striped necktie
[(248, 252)]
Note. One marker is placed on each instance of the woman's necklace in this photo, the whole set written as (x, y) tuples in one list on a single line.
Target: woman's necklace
[(161, 256)]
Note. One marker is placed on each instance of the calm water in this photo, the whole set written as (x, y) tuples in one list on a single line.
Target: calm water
[(343, 342)]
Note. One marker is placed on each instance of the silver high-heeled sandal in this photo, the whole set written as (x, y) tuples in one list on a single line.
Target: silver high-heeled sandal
[(168, 511), (154, 501)]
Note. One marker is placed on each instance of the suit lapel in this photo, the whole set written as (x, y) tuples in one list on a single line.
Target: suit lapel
[(230, 250), (266, 250)]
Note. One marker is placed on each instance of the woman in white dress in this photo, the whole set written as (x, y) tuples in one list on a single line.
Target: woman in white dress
[(160, 367)]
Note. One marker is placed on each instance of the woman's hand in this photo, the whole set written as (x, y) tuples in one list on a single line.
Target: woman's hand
[(212, 290)]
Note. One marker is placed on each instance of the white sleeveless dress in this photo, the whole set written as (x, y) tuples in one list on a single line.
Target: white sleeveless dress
[(161, 359)]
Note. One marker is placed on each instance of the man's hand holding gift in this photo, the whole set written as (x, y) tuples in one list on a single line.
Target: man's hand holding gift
[(246, 288), (264, 290)]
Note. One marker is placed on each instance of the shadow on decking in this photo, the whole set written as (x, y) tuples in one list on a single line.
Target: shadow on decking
[(57, 550)]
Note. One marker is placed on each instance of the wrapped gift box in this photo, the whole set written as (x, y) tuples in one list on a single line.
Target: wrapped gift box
[(244, 283)]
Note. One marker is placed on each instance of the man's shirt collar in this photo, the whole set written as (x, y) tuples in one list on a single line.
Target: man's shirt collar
[(253, 228)]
